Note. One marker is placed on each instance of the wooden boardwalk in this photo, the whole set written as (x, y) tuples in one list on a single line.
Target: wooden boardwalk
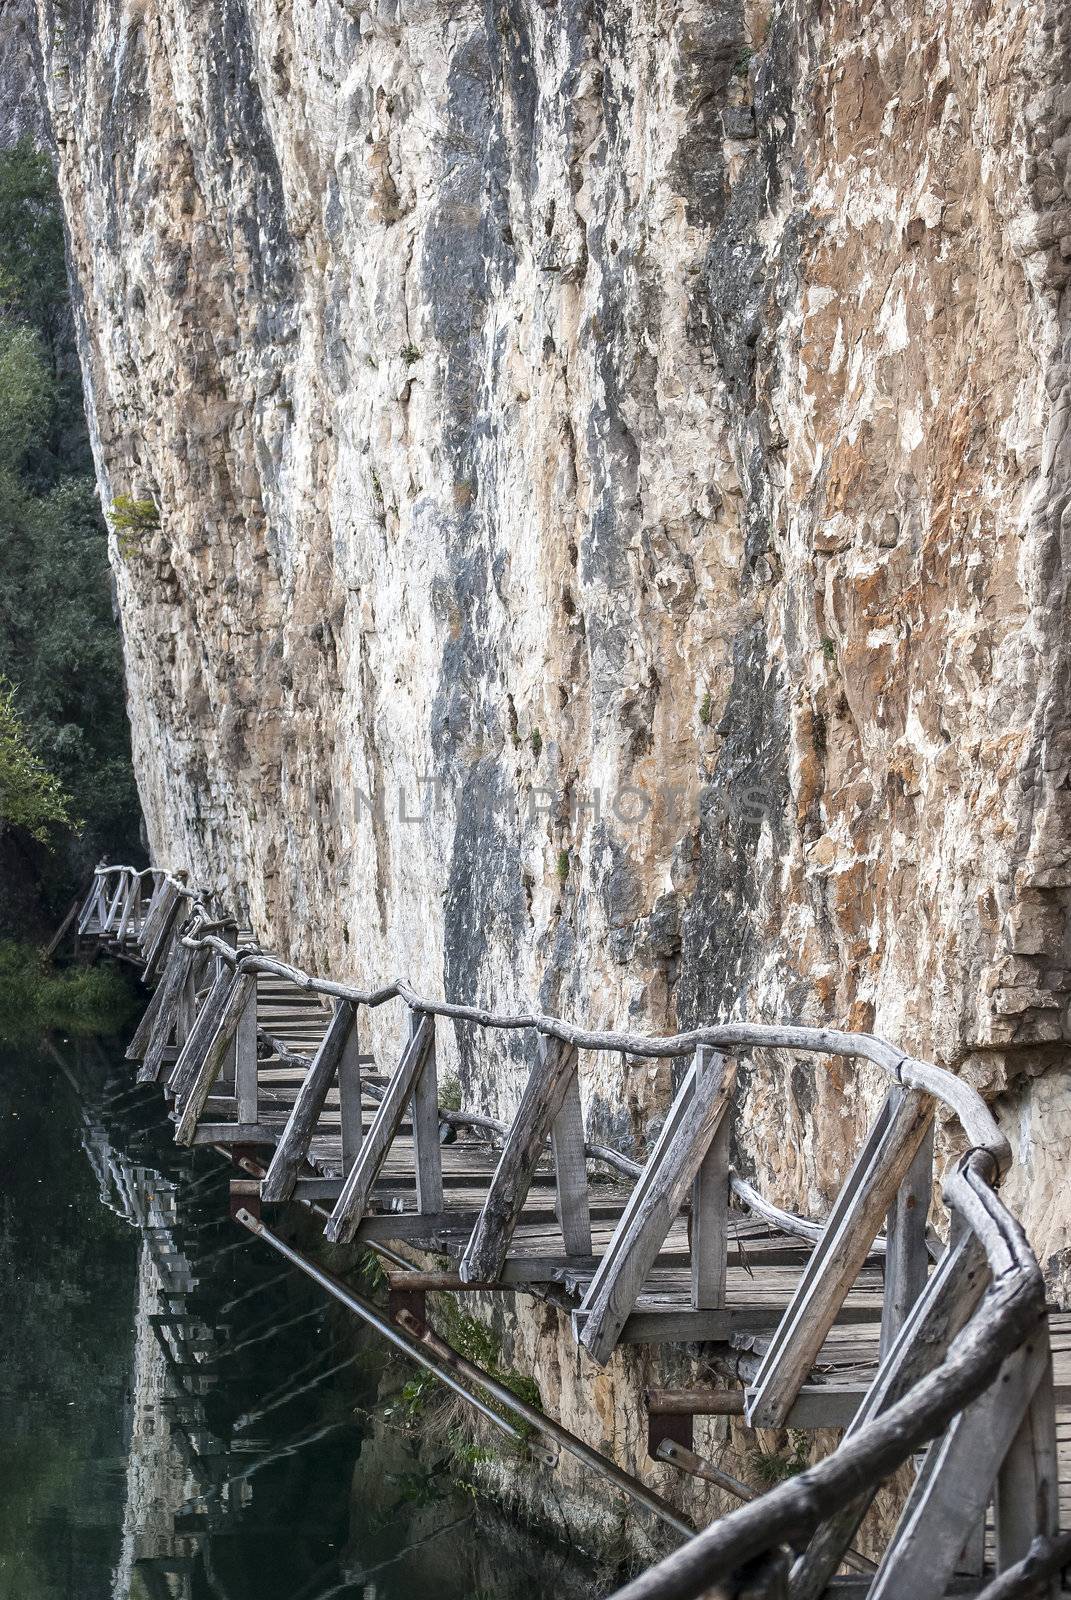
[(834, 1326)]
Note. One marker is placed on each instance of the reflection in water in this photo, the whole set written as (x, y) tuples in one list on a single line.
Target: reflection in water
[(176, 1420)]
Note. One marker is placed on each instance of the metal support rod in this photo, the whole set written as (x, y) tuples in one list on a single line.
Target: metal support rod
[(689, 1462), (367, 1312), (416, 1341)]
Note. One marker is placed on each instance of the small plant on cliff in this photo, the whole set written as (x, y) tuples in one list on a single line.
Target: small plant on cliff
[(131, 520), (562, 867), (536, 741), (743, 62), (829, 649), (706, 710), (450, 1093), (771, 1467), (411, 354)]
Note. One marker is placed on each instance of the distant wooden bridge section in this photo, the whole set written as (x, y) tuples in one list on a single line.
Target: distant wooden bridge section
[(941, 1354)]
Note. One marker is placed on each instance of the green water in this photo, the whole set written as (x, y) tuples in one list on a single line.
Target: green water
[(182, 1416)]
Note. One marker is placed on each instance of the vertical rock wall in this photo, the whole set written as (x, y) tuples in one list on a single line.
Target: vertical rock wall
[(611, 471)]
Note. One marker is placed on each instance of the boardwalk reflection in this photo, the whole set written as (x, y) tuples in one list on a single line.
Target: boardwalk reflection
[(255, 1464)]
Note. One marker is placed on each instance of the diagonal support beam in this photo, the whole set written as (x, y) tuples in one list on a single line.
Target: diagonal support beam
[(948, 1300), (205, 1023), (293, 1146), (543, 1098), (169, 990), (700, 1108), (835, 1263), (353, 1200), (243, 986)]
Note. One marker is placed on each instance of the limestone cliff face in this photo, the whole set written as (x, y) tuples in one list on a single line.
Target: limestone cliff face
[(612, 468)]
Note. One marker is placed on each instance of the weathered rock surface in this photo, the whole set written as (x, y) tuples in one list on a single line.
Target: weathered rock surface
[(612, 464)]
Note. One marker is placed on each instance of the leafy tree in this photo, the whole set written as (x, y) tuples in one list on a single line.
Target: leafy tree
[(30, 797), (59, 644)]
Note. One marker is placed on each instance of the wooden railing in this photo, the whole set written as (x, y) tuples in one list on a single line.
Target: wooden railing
[(965, 1359)]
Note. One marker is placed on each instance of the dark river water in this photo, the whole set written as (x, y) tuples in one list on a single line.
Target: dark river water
[(181, 1419)]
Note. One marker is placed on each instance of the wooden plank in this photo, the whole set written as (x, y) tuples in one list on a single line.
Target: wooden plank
[(225, 1133), (193, 1051), (353, 1199), (349, 1099), (949, 1499), (169, 991), (709, 1226), (543, 1097), (293, 1147), (906, 1253), (425, 1119), (666, 1181), (230, 1015), (1027, 1504), (852, 1228), (571, 1172)]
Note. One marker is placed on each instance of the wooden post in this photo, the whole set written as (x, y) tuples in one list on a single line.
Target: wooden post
[(350, 1110), (353, 1200), (293, 1146), (699, 1108), (427, 1151), (227, 1078), (571, 1172), (245, 1061), (709, 1232), (543, 1097), (834, 1265), (1028, 1485), (906, 1255)]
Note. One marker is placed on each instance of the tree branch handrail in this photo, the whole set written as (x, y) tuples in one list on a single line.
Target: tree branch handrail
[(971, 1110)]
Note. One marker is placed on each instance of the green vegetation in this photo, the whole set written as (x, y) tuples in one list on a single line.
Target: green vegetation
[(743, 62), (131, 520), (450, 1093), (64, 742), (706, 710), (35, 996), (536, 741), (563, 865), (829, 649), (410, 354), (771, 1467), (30, 797), (423, 1399)]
